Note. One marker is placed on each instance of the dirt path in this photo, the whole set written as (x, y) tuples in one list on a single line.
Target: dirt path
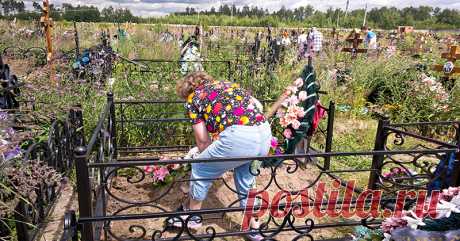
[(53, 227)]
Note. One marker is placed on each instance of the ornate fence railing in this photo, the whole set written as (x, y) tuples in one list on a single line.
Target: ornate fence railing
[(160, 76), (55, 153), (37, 54), (119, 200)]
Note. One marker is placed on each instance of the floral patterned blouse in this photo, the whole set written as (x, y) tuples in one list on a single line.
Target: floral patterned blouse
[(222, 104)]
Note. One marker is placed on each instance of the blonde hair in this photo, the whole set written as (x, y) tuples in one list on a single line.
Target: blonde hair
[(190, 82)]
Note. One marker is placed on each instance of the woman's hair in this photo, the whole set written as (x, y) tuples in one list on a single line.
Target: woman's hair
[(187, 85)]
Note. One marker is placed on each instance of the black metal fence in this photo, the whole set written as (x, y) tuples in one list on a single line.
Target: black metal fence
[(160, 76), (55, 152), (37, 54), (118, 200)]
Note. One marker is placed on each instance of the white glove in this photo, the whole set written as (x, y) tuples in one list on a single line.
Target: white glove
[(193, 153)]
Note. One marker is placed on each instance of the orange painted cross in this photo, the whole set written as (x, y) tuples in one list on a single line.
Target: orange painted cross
[(355, 39), (47, 24), (449, 67)]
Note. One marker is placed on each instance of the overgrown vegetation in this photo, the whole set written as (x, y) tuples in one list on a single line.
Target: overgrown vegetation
[(422, 17)]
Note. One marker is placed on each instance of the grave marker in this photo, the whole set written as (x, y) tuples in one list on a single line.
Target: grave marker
[(419, 46), (335, 38), (449, 67), (47, 24), (355, 39)]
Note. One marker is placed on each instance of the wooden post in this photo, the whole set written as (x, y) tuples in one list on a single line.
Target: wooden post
[(47, 24), (77, 41), (378, 159)]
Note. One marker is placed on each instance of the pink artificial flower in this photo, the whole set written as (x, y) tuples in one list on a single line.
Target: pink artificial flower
[(298, 82), (295, 112), (295, 124), (287, 133), (293, 100), (292, 89), (302, 95), (149, 169), (274, 142), (283, 122), (392, 223), (260, 118), (285, 103), (160, 174), (280, 113)]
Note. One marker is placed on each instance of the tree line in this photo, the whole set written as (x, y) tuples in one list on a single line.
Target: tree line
[(16, 9), (422, 17), (425, 17)]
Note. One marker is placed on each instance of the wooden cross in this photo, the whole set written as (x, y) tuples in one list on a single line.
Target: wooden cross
[(356, 40), (449, 43), (419, 45), (449, 67), (47, 24), (335, 38)]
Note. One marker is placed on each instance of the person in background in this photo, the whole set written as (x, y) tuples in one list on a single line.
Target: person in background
[(227, 122), (317, 40), (370, 38), (302, 45), (286, 40)]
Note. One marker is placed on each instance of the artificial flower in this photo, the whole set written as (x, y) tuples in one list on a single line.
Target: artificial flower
[(413, 221), (292, 89), (387, 237), (303, 95), (298, 82), (445, 209), (160, 174), (296, 124), (287, 133), (274, 143)]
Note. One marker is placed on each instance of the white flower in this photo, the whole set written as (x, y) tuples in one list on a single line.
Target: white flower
[(456, 200), (387, 237), (414, 221), (445, 209)]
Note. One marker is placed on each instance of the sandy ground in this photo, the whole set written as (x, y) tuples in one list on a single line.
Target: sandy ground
[(169, 198), (53, 226)]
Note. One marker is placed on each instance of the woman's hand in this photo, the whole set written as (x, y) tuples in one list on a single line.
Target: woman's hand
[(202, 138)]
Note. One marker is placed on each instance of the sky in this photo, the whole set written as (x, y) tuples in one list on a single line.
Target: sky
[(163, 7)]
